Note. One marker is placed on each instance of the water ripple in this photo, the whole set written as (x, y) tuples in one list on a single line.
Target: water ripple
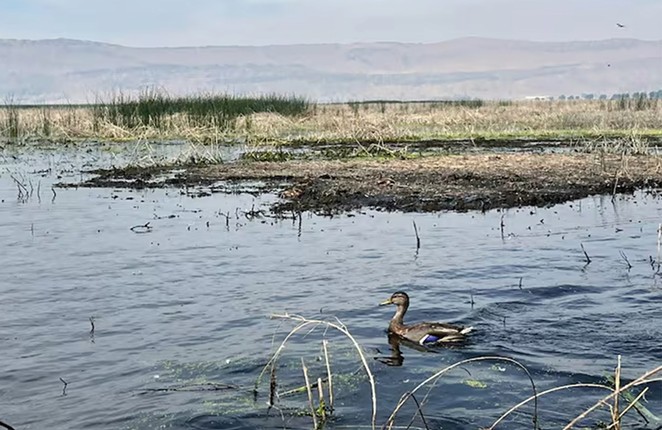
[(189, 303)]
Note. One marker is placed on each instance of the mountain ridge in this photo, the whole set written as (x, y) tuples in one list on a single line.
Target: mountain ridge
[(57, 70)]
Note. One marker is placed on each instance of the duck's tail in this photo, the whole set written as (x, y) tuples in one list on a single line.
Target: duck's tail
[(466, 330)]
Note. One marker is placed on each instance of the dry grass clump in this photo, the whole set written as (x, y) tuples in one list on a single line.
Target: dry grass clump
[(490, 120), (285, 121)]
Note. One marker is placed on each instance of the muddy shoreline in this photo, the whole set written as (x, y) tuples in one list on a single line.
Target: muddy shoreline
[(424, 184)]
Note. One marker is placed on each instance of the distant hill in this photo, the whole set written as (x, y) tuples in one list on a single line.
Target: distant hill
[(63, 70)]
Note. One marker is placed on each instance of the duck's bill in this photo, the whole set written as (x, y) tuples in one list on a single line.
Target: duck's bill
[(386, 302)]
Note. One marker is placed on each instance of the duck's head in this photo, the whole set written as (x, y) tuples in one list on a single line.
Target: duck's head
[(399, 298)]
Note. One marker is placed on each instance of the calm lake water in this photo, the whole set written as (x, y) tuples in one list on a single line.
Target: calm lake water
[(181, 311)]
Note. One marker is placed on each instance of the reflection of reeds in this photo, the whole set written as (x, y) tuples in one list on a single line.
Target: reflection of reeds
[(619, 402)]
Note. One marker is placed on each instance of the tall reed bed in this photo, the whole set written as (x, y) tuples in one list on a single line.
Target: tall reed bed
[(155, 108)]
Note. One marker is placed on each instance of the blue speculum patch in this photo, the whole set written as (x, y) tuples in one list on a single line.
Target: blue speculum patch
[(429, 339)]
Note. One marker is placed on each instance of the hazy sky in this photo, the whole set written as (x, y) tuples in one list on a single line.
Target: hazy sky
[(260, 22)]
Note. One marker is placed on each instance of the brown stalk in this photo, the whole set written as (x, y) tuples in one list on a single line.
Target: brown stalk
[(632, 404), (328, 372), (322, 403), (310, 393), (643, 379), (615, 417)]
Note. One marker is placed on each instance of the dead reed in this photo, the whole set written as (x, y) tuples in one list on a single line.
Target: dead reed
[(321, 410)]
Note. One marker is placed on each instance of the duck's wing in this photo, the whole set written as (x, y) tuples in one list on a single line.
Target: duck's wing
[(441, 332), (446, 329)]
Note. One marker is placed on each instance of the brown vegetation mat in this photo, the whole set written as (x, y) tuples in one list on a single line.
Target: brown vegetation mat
[(455, 182)]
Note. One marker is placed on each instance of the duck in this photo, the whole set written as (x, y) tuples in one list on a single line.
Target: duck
[(423, 333)]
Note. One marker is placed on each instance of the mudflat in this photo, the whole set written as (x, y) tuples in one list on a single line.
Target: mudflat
[(460, 182)]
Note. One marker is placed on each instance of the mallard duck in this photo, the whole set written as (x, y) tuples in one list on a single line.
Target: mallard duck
[(424, 333)]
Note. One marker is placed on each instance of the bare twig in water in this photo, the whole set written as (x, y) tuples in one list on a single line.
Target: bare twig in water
[(471, 296), (420, 413), (310, 393), (659, 244), (64, 389), (253, 214), (299, 226), (92, 329), (7, 426), (502, 226), (418, 239), (520, 283), (23, 193), (227, 219), (144, 228), (54, 194), (625, 258), (588, 259)]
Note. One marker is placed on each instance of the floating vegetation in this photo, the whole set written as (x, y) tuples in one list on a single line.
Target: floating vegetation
[(336, 152), (269, 155)]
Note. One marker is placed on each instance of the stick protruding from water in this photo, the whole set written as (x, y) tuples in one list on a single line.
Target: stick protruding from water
[(418, 238), (588, 259)]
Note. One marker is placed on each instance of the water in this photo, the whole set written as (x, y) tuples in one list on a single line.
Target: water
[(181, 312)]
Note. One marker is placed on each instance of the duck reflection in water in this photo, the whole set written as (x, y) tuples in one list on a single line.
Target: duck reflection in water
[(397, 358)]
